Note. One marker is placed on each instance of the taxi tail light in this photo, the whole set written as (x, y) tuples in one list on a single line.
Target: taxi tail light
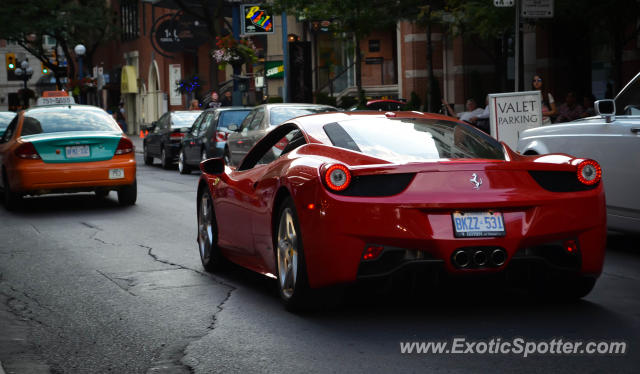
[(337, 177), (589, 172), (27, 151), (124, 146)]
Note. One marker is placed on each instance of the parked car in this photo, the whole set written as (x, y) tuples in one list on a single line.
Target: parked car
[(208, 136), (66, 148), (612, 138), (165, 135), (261, 120), (358, 196), (5, 118)]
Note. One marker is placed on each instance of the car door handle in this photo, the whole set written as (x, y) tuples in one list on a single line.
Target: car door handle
[(635, 130)]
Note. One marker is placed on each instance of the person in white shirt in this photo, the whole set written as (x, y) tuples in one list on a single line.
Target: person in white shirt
[(470, 115)]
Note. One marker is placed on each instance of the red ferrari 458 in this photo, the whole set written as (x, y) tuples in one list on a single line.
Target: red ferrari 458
[(334, 198)]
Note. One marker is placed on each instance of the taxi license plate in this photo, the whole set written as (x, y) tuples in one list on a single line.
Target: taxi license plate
[(477, 224), (116, 173), (78, 151)]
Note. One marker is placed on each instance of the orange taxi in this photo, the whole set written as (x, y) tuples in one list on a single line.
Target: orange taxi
[(64, 148)]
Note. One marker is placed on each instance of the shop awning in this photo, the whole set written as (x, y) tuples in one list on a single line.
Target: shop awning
[(128, 80)]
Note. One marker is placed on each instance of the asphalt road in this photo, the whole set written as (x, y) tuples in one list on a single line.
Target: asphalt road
[(87, 286)]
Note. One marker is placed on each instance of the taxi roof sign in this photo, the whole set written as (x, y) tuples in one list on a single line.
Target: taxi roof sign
[(54, 98), (55, 94)]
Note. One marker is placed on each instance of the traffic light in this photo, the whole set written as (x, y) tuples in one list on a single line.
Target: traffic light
[(45, 70), (11, 61)]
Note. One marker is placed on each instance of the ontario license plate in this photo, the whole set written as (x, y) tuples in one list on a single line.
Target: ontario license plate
[(477, 224), (78, 151), (116, 173)]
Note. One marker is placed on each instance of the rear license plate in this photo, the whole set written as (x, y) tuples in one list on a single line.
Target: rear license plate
[(477, 224), (116, 173), (78, 151)]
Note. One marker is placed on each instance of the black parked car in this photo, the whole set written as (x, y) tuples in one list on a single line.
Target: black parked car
[(165, 134), (208, 136)]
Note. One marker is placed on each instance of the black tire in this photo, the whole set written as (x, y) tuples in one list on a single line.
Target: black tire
[(127, 195), (101, 194), (210, 254), (183, 168), (291, 268), (564, 288), (148, 159), (164, 160), (11, 199), (577, 288)]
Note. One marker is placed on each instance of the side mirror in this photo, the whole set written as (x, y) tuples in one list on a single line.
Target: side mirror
[(212, 166), (606, 109), (233, 127)]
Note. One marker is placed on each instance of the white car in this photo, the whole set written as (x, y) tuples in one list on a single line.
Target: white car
[(612, 138)]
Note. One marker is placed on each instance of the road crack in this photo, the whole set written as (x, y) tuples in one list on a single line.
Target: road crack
[(190, 362)]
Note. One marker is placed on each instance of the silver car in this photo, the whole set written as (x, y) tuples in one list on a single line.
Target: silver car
[(262, 119), (612, 138)]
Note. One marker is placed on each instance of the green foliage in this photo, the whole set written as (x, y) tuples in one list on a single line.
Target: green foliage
[(274, 99), (87, 22), (323, 98)]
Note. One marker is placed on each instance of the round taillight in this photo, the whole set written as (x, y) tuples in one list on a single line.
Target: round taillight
[(337, 177), (589, 172)]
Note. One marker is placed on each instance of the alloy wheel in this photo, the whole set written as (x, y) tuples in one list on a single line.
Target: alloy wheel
[(287, 254)]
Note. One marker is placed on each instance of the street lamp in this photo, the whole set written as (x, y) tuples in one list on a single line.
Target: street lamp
[(24, 71), (80, 51)]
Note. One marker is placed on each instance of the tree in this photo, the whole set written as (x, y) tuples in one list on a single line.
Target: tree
[(28, 22), (355, 18), (210, 12)]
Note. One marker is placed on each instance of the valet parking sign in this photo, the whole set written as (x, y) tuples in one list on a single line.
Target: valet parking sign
[(513, 112)]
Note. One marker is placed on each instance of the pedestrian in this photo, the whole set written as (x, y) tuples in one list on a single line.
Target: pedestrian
[(214, 103), (194, 105), (227, 99), (472, 110), (121, 117), (587, 103), (549, 109), (570, 110)]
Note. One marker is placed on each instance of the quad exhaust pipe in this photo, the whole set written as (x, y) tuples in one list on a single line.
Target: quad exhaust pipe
[(460, 258), (479, 258), (498, 257)]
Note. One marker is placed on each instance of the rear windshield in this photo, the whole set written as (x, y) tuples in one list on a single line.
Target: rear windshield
[(5, 119), (277, 115), (45, 120), (413, 140), (228, 117), (184, 119)]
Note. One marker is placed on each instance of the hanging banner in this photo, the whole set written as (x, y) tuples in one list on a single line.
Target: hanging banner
[(175, 74), (256, 21)]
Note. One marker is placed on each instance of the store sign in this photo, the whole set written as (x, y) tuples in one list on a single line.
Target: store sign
[(175, 33), (536, 9), (274, 69), (513, 112), (503, 3), (256, 20)]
